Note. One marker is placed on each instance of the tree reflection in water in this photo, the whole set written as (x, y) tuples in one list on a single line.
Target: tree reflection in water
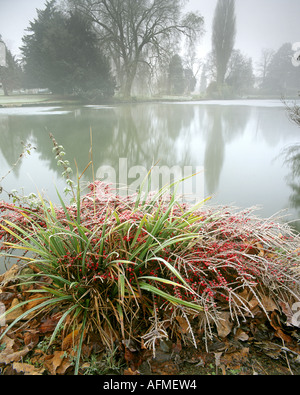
[(292, 159)]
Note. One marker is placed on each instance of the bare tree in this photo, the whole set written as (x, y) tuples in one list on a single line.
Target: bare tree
[(264, 63), (223, 36), (129, 29)]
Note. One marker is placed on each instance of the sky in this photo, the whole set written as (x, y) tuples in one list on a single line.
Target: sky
[(260, 23)]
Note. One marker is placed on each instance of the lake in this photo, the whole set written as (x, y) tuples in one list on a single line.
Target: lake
[(236, 146)]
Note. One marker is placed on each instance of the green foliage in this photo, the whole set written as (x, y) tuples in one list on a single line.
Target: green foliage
[(176, 76), (180, 80), (223, 36), (61, 53), (282, 77)]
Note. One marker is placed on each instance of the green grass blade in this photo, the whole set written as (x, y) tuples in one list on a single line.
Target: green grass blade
[(60, 322), (170, 298)]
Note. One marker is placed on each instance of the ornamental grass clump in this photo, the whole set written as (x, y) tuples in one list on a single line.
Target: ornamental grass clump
[(135, 267)]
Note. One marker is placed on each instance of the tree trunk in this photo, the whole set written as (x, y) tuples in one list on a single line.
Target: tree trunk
[(4, 89), (129, 78)]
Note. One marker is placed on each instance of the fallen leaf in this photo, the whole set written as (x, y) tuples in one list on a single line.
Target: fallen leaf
[(275, 323), (31, 339), (224, 325), (288, 312), (49, 324), (253, 303), (33, 303), (6, 298), (10, 275), (66, 363), (27, 369), (261, 249), (7, 356), (268, 303), (184, 325), (57, 363), (241, 335), (70, 340), (13, 315)]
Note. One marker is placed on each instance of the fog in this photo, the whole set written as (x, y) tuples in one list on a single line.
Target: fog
[(260, 23)]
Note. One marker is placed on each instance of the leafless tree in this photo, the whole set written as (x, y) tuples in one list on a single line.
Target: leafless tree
[(129, 29), (264, 63)]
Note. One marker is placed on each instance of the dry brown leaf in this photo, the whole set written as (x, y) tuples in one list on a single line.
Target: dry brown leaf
[(31, 339), (70, 340), (261, 249), (253, 303), (10, 275), (8, 355), (66, 363), (268, 303), (275, 323), (224, 325), (241, 335), (33, 303), (184, 326), (53, 362), (6, 298), (27, 369), (13, 315), (49, 324), (130, 372)]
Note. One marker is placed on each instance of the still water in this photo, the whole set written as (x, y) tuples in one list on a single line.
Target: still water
[(238, 144)]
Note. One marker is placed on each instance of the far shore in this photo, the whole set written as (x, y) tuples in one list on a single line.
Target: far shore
[(42, 100)]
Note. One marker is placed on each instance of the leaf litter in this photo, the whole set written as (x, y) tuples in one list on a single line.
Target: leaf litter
[(258, 345)]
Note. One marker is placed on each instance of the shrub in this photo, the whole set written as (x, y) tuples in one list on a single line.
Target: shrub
[(134, 267)]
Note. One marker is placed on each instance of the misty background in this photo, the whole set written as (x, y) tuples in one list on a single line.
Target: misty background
[(260, 23), (176, 48)]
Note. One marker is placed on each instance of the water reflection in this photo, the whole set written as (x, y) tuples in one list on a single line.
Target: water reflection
[(235, 144), (292, 159)]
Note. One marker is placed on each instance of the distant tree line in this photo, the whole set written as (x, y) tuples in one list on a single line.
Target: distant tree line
[(229, 73), (104, 45), (99, 48), (61, 52)]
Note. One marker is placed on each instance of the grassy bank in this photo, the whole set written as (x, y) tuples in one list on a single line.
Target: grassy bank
[(35, 100), (56, 100)]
